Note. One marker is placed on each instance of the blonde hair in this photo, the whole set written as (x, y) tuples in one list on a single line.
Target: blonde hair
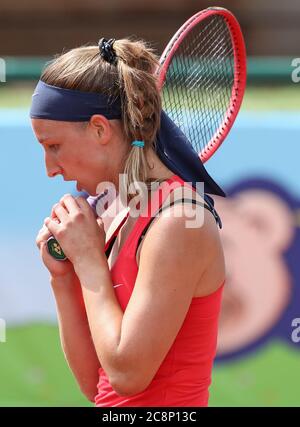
[(132, 79)]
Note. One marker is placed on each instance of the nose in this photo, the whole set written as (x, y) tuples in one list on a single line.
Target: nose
[(52, 168)]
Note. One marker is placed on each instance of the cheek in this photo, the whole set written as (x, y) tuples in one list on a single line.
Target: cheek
[(79, 162), (69, 158), (85, 159)]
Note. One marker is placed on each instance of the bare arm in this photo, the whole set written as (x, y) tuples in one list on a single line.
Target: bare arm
[(75, 333), (74, 329)]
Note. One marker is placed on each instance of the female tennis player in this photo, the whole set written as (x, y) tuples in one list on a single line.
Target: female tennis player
[(138, 316)]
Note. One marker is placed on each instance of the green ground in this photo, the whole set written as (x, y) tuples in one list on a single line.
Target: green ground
[(256, 98), (16, 95), (267, 377), (33, 372)]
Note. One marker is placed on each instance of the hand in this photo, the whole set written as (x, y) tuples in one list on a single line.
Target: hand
[(56, 268), (78, 232)]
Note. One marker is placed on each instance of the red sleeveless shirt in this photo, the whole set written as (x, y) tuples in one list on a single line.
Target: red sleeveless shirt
[(184, 376)]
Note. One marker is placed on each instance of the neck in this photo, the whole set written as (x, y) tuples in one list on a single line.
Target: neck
[(157, 170)]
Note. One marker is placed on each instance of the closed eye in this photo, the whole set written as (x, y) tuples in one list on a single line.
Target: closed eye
[(53, 147)]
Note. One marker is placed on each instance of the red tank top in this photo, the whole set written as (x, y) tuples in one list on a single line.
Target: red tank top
[(184, 376)]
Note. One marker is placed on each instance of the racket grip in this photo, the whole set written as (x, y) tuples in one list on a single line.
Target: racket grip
[(55, 249), (53, 246)]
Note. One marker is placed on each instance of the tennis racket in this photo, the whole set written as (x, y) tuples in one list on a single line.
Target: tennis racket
[(202, 77)]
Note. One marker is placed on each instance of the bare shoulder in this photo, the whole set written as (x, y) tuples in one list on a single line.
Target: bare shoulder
[(185, 238)]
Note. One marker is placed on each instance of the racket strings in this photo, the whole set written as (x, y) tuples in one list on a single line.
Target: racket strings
[(199, 82), (208, 81), (207, 77)]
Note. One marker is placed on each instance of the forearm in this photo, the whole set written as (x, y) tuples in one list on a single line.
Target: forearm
[(75, 334), (105, 319)]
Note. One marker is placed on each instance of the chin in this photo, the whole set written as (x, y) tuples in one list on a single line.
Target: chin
[(91, 191)]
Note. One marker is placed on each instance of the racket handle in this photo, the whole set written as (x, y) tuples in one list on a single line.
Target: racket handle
[(54, 247)]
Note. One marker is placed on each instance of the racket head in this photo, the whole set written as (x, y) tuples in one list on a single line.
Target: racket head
[(202, 77)]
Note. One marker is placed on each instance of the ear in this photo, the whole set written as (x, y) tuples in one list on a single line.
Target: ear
[(102, 128)]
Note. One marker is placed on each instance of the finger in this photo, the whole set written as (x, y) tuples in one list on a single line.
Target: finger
[(43, 231), (52, 226), (53, 214), (43, 248), (42, 244), (70, 203), (42, 237), (60, 212), (100, 222), (83, 204), (40, 240)]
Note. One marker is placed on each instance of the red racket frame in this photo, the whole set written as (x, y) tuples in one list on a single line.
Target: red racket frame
[(240, 70)]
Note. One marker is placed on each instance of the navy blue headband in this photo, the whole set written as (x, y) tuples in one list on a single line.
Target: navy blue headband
[(177, 153), (54, 103)]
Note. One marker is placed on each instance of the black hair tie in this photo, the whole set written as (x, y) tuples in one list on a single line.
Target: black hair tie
[(106, 50)]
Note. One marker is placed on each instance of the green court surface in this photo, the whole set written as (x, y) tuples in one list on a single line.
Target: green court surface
[(33, 372), (285, 98), (269, 377), (16, 95)]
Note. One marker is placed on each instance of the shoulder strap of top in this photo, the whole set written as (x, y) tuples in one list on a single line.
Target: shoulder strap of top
[(109, 248), (210, 202), (160, 194), (195, 202), (110, 243), (209, 206)]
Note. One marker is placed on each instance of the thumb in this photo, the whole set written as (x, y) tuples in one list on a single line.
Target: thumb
[(100, 222)]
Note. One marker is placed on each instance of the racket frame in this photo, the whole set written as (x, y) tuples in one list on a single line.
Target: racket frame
[(240, 70)]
